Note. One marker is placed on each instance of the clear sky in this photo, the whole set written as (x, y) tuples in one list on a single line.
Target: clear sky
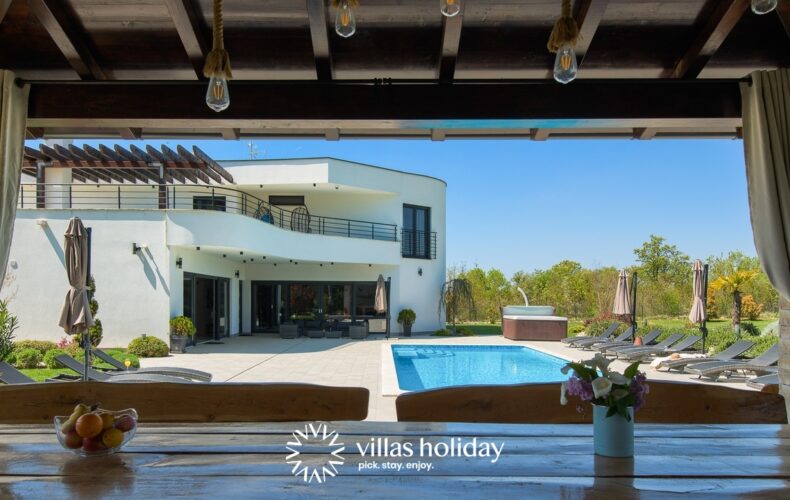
[(524, 205)]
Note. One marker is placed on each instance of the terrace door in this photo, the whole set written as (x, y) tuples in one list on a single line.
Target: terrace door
[(204, 310), (264, 300)]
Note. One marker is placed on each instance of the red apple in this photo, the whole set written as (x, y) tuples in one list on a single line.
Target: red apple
[(92, 444), (72, 440), (125, 423)]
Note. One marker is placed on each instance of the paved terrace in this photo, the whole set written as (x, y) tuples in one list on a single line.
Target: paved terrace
[(344, 362)]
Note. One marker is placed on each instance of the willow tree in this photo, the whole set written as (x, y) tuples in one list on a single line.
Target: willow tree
[(456, 299)]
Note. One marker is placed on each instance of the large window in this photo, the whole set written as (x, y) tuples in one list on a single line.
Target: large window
[(416, 232), (365, 299)]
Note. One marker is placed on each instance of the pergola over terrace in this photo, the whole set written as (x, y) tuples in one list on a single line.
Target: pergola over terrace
[(663, 68)]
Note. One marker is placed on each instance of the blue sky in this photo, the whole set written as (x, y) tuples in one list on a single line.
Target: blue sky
[(524, 205)]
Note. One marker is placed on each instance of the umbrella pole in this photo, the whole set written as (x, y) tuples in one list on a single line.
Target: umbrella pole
[(86, 339), (633, 305), (704, 327), (389, 280)]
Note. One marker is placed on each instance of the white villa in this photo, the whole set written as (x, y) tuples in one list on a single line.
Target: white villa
[(239, 246)]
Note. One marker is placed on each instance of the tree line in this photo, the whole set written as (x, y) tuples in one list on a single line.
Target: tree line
[(737, 284)]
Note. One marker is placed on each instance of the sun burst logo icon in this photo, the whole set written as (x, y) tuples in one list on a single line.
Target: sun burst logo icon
[(324, 461)]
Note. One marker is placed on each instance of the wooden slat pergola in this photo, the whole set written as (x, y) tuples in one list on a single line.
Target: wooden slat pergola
[(121, 165), (132, 69)]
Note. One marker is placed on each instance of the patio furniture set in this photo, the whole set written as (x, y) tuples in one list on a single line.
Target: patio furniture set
[(356, 331), (725, 363)]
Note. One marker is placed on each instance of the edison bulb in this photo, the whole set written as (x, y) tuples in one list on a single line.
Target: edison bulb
[(763, 6), (450, 8), (565, 67), (345, 23), (217, 95)]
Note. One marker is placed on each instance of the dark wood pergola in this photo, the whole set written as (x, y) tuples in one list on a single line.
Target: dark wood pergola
[(120, 165), (132, 69)]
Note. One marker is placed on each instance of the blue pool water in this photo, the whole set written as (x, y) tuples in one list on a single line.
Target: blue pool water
[(431, 366)]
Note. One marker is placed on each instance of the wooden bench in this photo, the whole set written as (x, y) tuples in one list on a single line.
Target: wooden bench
[(667, 403), (165, 402)]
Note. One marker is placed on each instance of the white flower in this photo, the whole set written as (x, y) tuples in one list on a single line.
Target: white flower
[(600, 361), (563, 391), (619, 379), (601, 387)]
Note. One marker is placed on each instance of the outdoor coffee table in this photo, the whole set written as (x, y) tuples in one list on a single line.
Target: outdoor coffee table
[(538, 461)]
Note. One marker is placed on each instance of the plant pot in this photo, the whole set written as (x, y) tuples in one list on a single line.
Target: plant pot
[(407, 329), (178, 344), (613, 436)]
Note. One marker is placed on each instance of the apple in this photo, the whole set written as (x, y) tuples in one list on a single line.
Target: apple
[(92, 444), (125, 423), (72, 440)]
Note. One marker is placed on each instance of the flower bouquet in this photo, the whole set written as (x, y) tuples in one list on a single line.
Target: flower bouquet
[(615, 396)]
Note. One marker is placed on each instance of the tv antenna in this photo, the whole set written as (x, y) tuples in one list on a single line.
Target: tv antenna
[(253, 150)]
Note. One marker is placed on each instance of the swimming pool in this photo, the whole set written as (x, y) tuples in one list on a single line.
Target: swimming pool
[(421, 367)]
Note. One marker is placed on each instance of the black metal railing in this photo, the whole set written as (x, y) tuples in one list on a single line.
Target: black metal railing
[(418, 244), (194, 197)]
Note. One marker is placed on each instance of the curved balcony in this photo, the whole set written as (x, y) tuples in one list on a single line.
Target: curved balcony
[(197, 197)]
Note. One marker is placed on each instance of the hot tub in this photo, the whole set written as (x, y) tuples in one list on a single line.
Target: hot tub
[(533, 323)]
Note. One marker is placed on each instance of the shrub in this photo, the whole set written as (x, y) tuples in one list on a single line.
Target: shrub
[(761, 344), (148, 347), (42, 346), (95, 332), (465, 332), (750, 309), (183, 326), (10, 358), (28, 358), (749, 329), (597, 326), (8, 324), (49, 358), (442, 332), (406, 317)]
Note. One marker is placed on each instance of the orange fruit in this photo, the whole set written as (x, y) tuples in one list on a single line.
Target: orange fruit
[(112, 438), (107, 420), (89, 425)]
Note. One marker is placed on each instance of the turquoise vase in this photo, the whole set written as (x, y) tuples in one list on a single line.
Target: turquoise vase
[(613, 436)]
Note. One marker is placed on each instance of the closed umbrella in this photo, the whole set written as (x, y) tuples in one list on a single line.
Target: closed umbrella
[(76, 314), (622, 297), (698, 314), (380, 304)]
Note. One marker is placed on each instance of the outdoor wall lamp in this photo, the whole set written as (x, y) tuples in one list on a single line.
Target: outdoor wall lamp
[(136, 249), (419, 271), (179, 262), (42, 222), (236, 274)]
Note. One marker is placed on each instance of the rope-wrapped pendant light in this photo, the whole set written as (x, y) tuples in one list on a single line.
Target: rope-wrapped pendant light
[(562, 42), (217, 66)]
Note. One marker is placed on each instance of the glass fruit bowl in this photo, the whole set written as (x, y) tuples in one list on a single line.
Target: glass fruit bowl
[(91, 432)]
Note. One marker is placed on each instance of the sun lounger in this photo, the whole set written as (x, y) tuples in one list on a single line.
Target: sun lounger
[(10, 375), (603, 336), (73, 364), (671, 339), (650, 337), (727, 354), (761, 364), (622, 339), (644, 352), (157, 370), (763, 380)]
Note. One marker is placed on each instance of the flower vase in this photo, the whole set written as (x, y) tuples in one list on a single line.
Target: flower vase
[(613, 436)]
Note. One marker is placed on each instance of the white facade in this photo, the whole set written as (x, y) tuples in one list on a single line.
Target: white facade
[(139, 292)]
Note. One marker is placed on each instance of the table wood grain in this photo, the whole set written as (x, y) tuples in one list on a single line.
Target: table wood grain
[(249, 460)]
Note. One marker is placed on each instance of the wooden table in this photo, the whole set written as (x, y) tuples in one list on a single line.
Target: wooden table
[(245, 460)]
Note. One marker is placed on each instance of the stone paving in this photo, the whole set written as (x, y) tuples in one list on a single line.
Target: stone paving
[(344, 362)]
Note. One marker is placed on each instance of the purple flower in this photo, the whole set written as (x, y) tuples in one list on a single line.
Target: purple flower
[(580, 387), (639, 388)]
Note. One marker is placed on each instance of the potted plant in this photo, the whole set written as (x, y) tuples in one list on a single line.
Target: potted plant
[(406, 318), (181, 331)]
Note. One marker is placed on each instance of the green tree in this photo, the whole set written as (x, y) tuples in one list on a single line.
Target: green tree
[(660, 261), (734, 284)]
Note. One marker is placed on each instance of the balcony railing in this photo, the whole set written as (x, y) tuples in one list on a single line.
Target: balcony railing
[(418, 244), (195, 197)]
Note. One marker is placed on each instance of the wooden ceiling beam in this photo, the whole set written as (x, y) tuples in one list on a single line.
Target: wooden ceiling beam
[(231, 134), (187, 20), (783, 11), (589, 14), (540, 134), (4, 5), (725, 14), (451, 41), (130, 134), (319, 35), (34, 133), (644, 133), (60, 21)]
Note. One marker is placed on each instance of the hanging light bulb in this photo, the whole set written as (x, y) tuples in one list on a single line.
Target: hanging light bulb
[(763, 6), (450, 8), (217, 95), (345, 23), (565, 66)]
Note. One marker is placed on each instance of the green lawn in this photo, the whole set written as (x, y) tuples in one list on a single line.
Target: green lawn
[(41, 374)]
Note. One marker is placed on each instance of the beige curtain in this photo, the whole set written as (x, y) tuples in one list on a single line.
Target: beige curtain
[(13, 114), (766, 142)]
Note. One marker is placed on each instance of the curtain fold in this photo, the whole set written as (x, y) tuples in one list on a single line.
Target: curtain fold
[(13, 115), (766, 142)]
